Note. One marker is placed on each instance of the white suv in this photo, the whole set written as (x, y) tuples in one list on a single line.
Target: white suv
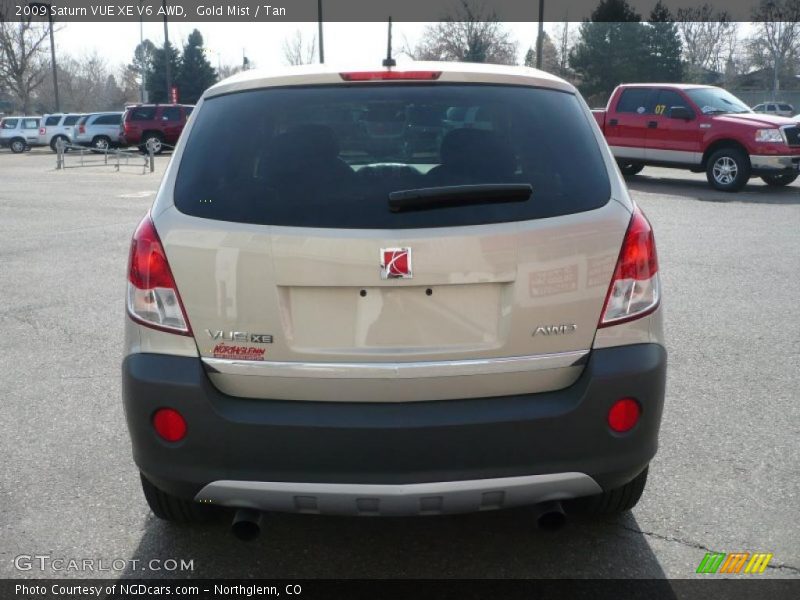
[(319, 321), (19, 133), (58, 127)]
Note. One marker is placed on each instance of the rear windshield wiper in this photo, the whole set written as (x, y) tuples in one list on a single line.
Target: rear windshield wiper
[(458, 195)]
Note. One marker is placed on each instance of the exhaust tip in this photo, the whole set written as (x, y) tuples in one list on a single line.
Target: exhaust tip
[(246, 524), (550, 516)]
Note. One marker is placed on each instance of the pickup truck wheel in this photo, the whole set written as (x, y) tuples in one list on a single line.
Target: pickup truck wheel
[(610, 502), (779, 180), (171, 508), (17, 146), (630, 169), (728, 170)]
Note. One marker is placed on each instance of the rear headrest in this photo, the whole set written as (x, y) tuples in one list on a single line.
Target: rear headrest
[(304, 143), (478, 149)]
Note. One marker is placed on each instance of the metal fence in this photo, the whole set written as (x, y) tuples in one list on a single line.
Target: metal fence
[(81, 156)]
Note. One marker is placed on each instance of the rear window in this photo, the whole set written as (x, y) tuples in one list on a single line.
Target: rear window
[(329, 156), (634, 100), (108, 120), (171, 113), (142, 113)]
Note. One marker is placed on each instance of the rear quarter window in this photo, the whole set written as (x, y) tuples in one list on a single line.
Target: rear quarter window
[(142, 113), (72, 119), (51, 121), (329, 156)]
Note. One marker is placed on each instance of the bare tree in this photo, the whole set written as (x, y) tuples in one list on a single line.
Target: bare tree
[(298, 52), (777, 35), (563, 39), (23, 63), (471, 34), (708, 38)]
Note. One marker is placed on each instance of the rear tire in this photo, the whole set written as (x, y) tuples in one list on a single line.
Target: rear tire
[(156, 141), (101, 143), (780, 180), (728, 170), (54, 142), (17, 145), (171, 508), (611, 502), (631, 168)]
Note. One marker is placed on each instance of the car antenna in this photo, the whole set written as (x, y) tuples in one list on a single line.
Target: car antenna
[(389, 61)]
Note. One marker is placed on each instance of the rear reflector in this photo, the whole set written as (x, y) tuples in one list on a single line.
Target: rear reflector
[(634, 290), (153, 298), (624, 414), (390, 75), (169, 424)]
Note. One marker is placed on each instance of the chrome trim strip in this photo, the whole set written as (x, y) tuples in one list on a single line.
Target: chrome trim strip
[(402, 370), (444, 497), (773, 161)]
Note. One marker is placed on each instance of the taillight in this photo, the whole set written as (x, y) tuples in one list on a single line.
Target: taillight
[(42, 131), (153, 298), (81, 128), (635, 289), (389, 75)]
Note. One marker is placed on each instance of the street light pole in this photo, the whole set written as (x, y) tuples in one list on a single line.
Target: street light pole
[(143, 86), (47, 7), (319, 24), (167, 69), (540, 37)]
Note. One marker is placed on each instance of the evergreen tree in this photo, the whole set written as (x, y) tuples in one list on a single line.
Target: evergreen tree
[(612, 49), (157, 75), (549, 55), (664, 46), (530, 58), (195, 73)]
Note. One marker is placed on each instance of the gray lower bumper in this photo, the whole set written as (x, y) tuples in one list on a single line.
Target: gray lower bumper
[(435, 498), (763, 162)]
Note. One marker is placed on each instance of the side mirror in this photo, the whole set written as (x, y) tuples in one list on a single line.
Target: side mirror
[(681, 112)]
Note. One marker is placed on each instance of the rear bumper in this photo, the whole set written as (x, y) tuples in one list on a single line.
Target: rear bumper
[(286, 455), (769, 164)]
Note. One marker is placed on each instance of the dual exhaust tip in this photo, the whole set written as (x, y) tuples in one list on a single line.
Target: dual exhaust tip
[(247, 522)]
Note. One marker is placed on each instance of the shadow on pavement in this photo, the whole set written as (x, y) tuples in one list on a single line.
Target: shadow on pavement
[(503, 544), (753, 193)]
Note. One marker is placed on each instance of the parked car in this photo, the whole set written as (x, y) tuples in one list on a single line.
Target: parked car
[(699, 128), (99, 130), (56, 127), (780, 109), (155, 124), (476, 330), (19, 133)]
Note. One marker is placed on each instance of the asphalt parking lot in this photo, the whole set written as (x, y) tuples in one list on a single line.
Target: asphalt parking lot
[(726, 477)]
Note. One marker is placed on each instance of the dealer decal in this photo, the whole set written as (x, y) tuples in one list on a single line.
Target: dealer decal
[(224, 350)]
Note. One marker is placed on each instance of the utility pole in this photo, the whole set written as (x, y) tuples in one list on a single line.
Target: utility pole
[(167, 68), (540, 37), (47, 7), (319, 24)]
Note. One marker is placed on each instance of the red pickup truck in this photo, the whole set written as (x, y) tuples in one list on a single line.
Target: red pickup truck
[(700, 128)]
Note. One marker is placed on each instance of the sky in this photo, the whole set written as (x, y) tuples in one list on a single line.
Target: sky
[(260, 42)]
